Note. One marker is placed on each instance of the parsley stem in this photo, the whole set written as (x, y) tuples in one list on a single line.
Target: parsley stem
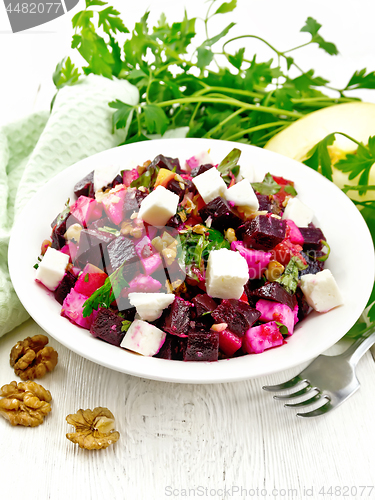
[(230, 91), (254, 129), (231, 102), (223, 122), (298, 47)]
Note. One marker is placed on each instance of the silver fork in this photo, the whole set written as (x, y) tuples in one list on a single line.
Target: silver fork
[(329, 378)]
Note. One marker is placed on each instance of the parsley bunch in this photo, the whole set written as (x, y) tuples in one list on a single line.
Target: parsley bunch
[(243, 99)]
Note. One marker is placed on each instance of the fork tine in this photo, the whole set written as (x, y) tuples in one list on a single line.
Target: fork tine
[(306, 390), (286, 385), (306, 402), (319, 411)]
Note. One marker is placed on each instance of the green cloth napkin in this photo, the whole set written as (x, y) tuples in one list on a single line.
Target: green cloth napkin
[(38, 147)]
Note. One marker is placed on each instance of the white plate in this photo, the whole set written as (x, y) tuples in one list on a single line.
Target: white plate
[(351, 262)]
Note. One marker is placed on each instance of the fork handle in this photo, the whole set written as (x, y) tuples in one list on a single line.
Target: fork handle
[(360, 347)]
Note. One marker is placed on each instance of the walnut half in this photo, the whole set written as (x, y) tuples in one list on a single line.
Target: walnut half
[(32, 358), (95, 429), (26, 403)]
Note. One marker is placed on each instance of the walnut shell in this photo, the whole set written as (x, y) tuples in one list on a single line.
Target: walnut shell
[(94, 428), (25, 403), (32, 358)]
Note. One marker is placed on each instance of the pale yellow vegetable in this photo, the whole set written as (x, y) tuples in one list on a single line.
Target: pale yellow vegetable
[(356, 119)]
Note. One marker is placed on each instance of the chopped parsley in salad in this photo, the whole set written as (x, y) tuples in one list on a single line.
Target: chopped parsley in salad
[(193, 262)]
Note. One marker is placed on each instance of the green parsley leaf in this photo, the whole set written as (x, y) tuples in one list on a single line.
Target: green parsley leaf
[(111, 22), (237, 58), (147, 179), (229, 162), (205, 56), (110, 230), (122, 116), (107, 293), (359, 163), (35, 266), (156, 119), (227, 7), (65, 73), (125, 325), (290, 190), (289, 279), (312, 26), (318, 156), (361, 80), (86, 278), (267, 186)]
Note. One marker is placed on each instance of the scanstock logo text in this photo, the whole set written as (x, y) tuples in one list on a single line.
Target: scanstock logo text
[(28, 14)]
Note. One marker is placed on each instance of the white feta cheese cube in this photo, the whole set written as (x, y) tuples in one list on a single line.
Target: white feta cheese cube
[(52, 268), (143, 338), (104, 175), (210, 185), (321, 291), (246, 172), (226, 274), (150, 305), (242, 195), (298, 212), (159, 206)]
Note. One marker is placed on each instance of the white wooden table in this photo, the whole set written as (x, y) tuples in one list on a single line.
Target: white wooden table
[(219, 441)]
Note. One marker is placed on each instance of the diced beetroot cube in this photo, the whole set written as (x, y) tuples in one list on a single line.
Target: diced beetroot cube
[(72, 309), (162, 161), (131, 204), (86, 210), (274, 311), (295, 313), (129, 176), (257, 260), (238, 315), (150, 258), (85, 187), (229, 342), (200, 169), (221, 213), (90, 280), (268, 203), (202, 346), (274, 291), (293, 233), (303, 306), (59, 229), (175, 186), (312, 237), (313, 265), (285, 250), (70, 249), (104, 221), (260, 338), (173, 348), (107, 326), (67, 283), (263, 232), (93, 248), (121, 250), (178, 318), (113, 203), (142, 283), (203, 303)]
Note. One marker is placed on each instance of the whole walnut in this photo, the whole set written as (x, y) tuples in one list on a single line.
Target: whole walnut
[(32, 358), (25, 403), (95, 429)]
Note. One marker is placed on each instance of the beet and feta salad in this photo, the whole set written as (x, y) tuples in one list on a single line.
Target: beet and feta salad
[(193, 263)]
